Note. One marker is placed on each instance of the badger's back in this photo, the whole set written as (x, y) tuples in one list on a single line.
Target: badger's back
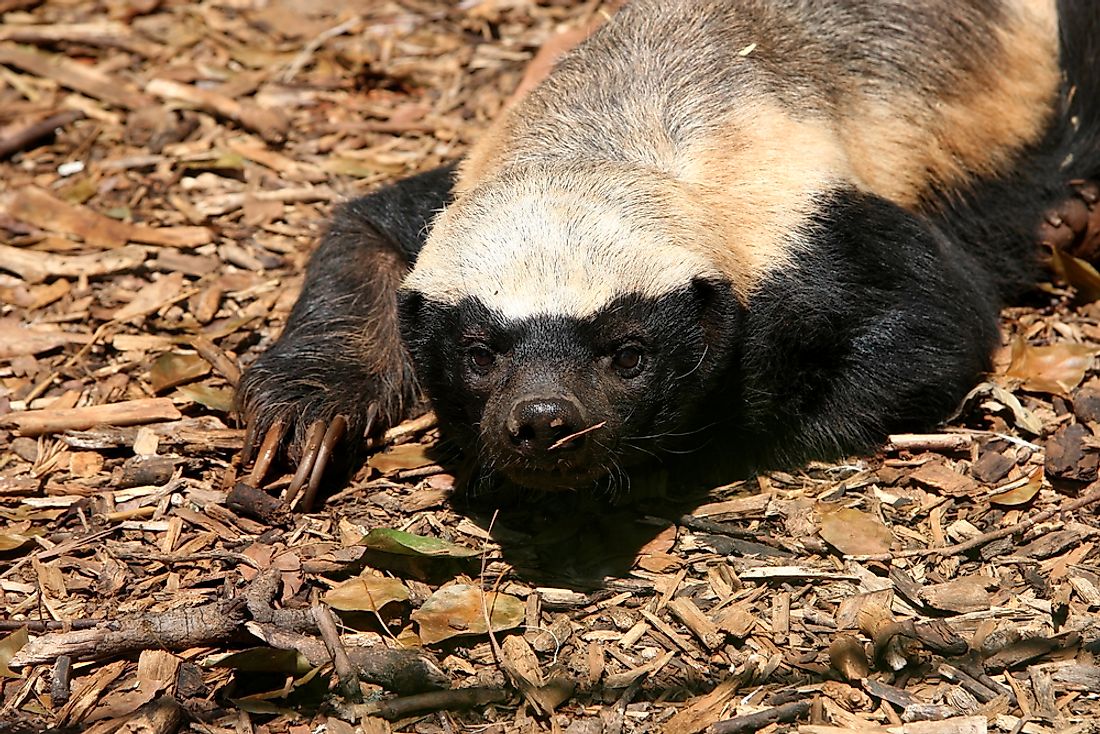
[(754, 113)]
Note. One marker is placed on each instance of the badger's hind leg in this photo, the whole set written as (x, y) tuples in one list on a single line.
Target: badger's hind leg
[(339, 372)]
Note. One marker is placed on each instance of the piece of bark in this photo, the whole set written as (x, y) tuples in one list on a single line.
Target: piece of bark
[(127, 413), (271, 125), (100, 33), (691, 617), (34, 266), (992, 466), (17, 340), (79, 77), (1067, 456), (40, 208), (257, 504)]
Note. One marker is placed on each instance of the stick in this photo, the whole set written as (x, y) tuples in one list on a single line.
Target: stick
[(349, 682), (19, 139), (784, 714), (126, 413)]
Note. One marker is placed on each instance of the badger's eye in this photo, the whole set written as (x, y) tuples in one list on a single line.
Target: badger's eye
[(628, 360), (481, 357)]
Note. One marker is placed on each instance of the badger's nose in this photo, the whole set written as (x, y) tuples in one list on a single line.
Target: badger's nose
[(540, 424)]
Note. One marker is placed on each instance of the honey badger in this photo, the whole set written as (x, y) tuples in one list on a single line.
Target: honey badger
[(789, 224)]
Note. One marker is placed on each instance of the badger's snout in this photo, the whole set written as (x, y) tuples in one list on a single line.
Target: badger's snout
[(540, 427)]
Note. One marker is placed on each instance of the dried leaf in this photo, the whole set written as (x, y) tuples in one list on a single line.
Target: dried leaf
[(366, 594), (405, 456), (10, 540), (401, 543), (172, 369), (1078, 273), (10, 645), (1020, 495), (460, 609), (1056, 369), (855, 533), (214, 398)]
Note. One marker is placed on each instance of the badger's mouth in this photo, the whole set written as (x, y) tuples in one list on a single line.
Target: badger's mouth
[(558, 478)]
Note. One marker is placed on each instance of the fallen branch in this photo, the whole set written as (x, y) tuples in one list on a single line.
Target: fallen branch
[(784, 714), (458, 698)]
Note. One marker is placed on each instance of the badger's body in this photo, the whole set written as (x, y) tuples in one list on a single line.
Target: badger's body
[(788, 222)]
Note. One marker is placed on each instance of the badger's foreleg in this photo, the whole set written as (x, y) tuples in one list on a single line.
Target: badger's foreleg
[(339, 372)]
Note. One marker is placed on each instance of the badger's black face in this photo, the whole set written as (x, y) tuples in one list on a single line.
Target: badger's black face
[(560, 402)]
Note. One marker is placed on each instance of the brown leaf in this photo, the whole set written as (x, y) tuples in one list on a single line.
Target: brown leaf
[(10, 645), (855, 533), (1078, 273), (460, 609), (150, 298), (1022, 494), (172, 369), (1056, 369), (365, 594)]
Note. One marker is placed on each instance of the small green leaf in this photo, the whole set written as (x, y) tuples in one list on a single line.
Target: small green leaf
[(401, 543)]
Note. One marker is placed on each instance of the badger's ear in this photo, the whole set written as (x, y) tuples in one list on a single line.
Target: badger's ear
[(718, 308)]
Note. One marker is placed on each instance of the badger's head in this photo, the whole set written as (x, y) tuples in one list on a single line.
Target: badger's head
[(566, 324)]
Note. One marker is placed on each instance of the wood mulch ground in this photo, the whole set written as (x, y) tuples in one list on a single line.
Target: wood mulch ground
[(166, 168)]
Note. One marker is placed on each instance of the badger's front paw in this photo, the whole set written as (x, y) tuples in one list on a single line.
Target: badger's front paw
[(1073, 225), (315, 408)]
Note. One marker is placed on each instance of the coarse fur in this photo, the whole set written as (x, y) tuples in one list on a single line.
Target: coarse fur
[(786, 225)]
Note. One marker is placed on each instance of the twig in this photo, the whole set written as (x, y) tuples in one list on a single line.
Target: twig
[(930, 442), (784, 714), (19, 139), (217, 359), (349, 682), (566, 439)]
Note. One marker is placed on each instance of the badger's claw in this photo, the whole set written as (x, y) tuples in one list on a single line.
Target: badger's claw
[(268, 450)]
